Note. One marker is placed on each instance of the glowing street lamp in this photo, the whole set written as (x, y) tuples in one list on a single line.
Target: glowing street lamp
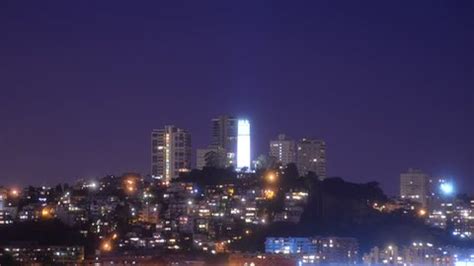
[(93, 185), (422, 212), (14, 192), (106, 246), (47, 213), (271, 177)]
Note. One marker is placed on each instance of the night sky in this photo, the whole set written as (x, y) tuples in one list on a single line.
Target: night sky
[(388, 84)]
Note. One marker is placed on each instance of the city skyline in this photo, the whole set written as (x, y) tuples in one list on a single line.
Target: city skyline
[(237, 133), (83, 87), (194, 148)]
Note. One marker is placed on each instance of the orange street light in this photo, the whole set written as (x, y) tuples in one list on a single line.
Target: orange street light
[(422, 212), (106, 246), (46, 213), (271, 177), (14, 192)]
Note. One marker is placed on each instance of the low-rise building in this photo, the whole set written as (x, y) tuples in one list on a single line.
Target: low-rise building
[(48, 255), (316, 250)]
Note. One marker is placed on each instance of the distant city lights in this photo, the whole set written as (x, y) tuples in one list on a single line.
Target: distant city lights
[(47, 213), (130, 184), (269, 194)]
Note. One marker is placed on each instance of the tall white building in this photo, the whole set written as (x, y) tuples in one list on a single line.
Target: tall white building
[(170, 152), (243, 145), (283, 150), (414, 185), (311, 157)]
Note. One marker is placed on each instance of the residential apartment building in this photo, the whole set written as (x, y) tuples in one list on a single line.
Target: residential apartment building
[(170, 152)]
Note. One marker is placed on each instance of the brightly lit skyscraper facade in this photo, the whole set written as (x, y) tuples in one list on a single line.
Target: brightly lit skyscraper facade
[(243, 144)]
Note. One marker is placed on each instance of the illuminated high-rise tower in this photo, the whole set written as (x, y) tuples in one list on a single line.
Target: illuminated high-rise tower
[(170, 152), (243, 144), (232, 136)]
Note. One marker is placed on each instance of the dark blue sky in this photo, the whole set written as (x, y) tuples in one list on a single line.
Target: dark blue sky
[(388, 84)]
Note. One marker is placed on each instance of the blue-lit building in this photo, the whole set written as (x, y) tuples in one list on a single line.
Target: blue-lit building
[(316, 250), (289, 245)]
